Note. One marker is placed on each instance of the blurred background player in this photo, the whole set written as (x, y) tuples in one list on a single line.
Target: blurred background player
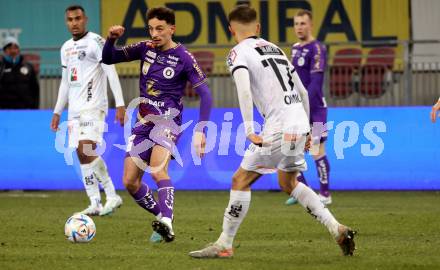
[(263, 76), (309, 60), (19, 87), (84, 86), (166, 66), (434, 111)]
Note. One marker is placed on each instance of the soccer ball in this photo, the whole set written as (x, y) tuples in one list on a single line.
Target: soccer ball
[(79, 228)]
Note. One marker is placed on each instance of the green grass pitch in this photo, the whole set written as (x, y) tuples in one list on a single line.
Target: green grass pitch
[(396, 230)]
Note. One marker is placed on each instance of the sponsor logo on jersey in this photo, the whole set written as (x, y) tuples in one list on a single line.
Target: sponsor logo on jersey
[(87, 124), (150, 90), (168, 72), (153, 92), (174, 58), (172, 63), (147, 59), (292, 98), (160, 59), (151, 54), (89, 90), (153, 102)]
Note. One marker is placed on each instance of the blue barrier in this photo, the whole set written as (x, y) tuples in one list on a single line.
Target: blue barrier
[(396, 149)]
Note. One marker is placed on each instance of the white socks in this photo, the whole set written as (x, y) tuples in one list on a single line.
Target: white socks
[(104, 178), (310, 201), (95, 172), (236, 211), (90, 181)]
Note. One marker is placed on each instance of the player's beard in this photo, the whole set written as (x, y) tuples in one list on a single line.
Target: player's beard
[(78, 35), (157, 45)]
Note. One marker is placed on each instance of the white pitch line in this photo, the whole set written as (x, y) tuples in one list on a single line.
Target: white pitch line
[(24, 194)]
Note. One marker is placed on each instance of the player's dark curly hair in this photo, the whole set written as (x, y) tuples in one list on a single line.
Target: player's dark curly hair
[(163, 14), (75, 7), (243, 14)]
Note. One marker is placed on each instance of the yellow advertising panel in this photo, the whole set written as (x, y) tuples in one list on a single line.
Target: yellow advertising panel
[(202, 24)]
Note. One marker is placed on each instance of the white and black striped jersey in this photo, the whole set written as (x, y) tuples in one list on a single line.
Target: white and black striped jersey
[(274, 84)]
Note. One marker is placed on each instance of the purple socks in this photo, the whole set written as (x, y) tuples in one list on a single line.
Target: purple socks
[(323, 168), (165, 190), (145, 199)]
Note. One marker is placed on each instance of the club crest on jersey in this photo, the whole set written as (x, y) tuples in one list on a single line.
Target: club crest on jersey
[(81, 55), (168, 72), (301, 61)]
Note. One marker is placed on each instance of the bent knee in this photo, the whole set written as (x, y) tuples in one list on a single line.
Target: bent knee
[(131, 184), (161, 175)]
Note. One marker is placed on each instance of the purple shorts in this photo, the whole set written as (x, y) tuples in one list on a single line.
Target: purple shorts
[(145, 137), (318, 115)]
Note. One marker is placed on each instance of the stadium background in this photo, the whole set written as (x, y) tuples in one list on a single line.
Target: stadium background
[(408, 159)]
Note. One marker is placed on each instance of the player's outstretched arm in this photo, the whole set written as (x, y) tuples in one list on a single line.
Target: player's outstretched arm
[(112, 55), (435, 111)]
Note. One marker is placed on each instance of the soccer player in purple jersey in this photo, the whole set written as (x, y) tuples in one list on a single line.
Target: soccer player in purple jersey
[(165, 67), (309, 60)]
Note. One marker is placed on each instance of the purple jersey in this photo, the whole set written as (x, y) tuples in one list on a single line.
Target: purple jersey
[(163, 76), (162, 80), (309, 61)]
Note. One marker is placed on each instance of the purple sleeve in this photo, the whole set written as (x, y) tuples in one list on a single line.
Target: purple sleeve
[(194, 72), (205, 102), (319, 59), (112, 55)]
